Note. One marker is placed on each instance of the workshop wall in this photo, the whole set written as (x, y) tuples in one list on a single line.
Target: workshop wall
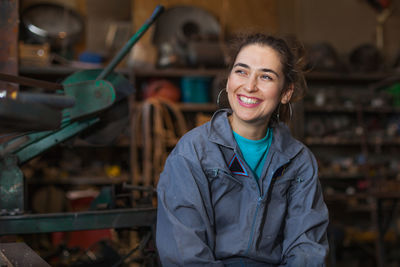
[(344, 24), (234, 15)]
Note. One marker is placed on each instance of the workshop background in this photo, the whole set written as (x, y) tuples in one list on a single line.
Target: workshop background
[(77, 186)]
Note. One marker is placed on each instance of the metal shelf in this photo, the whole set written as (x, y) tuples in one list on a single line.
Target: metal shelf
[(343, 109), (176, 72), (84, 180), (319, 141)]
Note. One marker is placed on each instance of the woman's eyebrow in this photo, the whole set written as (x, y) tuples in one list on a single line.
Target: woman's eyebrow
[(248, 67), (269, 70), (241, 65)]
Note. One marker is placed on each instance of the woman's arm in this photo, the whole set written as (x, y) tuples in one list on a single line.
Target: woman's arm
[(305, 239), (184, 219)]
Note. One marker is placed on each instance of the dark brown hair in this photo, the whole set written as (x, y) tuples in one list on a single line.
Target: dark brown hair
[(292, 58)]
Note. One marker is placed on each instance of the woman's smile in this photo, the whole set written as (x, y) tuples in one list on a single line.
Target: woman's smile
[(248, 101)]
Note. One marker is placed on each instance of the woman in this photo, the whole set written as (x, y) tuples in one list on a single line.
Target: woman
[(240, 190)]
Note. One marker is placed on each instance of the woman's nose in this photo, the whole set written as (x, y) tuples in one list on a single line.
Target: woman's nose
[(251, 84)]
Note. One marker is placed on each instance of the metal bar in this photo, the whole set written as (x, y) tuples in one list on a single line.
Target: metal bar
[(76, 221), (30, 82), (54, 101), (53, 139), (127, 47)]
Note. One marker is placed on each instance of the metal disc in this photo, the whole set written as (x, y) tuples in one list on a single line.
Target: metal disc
[(183, 22)]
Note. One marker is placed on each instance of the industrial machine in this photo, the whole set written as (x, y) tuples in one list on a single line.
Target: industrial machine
[(45, 121)]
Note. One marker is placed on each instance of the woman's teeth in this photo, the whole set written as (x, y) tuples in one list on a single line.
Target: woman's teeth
[(248, 100)]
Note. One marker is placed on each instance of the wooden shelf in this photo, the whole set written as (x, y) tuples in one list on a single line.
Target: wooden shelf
[(84, 180), (347, 76), (57, 70), (197, 107), (343, 109), (313, 141), (176, 72), (343, 196), (341, 176), (328, 109), (316, 141)]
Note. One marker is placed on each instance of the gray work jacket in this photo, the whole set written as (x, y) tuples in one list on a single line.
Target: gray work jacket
[(213, 212)]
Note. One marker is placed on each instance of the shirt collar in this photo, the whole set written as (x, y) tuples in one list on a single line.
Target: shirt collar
[(220, 132)]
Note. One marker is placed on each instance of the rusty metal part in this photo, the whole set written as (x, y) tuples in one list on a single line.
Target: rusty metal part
[(9, 41), (30, 82), (16, 116), (19, 254)]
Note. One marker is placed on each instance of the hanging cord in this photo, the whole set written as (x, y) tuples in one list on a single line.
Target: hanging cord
[(145, 240)]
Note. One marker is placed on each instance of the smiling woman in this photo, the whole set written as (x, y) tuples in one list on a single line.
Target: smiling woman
[(255, 89), (240, 190)]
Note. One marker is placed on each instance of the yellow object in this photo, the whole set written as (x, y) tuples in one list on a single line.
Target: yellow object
[(113, 170), (34, 54)]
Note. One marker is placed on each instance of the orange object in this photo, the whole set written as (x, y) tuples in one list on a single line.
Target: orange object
[(163, 89)]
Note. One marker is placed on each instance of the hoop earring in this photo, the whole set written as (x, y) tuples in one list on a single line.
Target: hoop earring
[(277, 113), (290, 111), (219, 96)]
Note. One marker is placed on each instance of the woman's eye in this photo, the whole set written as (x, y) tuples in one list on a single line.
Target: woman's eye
[(266, 77), (239, 71)]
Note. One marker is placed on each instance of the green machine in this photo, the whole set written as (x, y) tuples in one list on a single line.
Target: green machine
[(81, 99)]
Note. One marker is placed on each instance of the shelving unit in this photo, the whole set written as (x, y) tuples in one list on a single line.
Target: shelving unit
[(357, 150)]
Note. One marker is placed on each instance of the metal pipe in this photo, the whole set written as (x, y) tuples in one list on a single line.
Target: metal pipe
[(127, 47)]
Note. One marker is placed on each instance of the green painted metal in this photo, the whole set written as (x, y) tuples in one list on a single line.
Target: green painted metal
[(40, 145), (76, 221), (18, 143), (91, 75), (11, 186), (91, 97), (22, 149), (127, 47), (121, 85)]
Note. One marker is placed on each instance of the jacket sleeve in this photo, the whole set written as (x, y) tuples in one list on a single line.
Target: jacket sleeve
[(305, 238), (184, 219)]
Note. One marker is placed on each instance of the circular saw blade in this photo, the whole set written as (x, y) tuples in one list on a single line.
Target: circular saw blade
[(182, 22)]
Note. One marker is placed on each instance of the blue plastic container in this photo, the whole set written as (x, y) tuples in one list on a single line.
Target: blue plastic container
[(195, 89)]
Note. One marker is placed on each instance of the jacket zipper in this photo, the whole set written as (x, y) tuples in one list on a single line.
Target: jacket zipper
[(253, 226), (260, 198)]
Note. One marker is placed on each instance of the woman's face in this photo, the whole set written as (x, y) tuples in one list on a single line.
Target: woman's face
[(255, 84)]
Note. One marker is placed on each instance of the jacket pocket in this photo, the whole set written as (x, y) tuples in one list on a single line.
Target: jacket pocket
[(223, 186), (280, 187), (222, 175)]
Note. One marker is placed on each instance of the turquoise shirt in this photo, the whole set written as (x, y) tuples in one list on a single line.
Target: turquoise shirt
[(255, 151)]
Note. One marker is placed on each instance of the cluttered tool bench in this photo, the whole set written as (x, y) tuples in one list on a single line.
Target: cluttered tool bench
[(43, 121)]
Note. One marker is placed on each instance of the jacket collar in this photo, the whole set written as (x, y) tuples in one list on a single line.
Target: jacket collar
[(220, 132)]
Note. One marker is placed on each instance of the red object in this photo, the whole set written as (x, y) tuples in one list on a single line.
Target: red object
[(384, 3), (163, 89), (82, 239)]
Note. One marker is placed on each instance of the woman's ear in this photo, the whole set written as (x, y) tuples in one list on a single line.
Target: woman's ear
[(288, 94)]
